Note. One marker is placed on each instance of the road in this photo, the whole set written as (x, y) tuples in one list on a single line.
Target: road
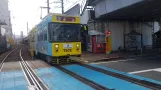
[(149, 67)]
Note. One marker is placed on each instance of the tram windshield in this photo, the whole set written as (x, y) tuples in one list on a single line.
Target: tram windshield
[(59, 32)]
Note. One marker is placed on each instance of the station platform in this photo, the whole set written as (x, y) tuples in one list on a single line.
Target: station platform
[(13, 80), (88, 57), (140, 67), (58, 80), (103, 79)]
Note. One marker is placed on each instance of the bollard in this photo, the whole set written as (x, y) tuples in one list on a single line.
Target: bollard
[(32, 53)]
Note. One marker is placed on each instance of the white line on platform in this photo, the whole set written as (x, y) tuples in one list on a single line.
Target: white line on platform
[(158, 70), (148, 70), (114, 61)]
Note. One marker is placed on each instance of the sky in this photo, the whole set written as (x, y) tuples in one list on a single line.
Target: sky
[(23, 11)]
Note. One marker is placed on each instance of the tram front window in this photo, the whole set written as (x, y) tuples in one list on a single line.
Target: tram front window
[(64, 32)]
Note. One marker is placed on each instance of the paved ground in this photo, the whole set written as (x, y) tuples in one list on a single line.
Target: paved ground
[(88, 57), (58, 80), (11, 66), (105, 80), (36, 64), (151, 74), (149, 67), (12, 77)]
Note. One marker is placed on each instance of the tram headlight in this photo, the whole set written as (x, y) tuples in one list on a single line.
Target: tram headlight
[(77, 45), (56, 46)]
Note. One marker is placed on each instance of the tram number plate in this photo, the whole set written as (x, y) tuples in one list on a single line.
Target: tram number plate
[(68, 46), (67, 50)]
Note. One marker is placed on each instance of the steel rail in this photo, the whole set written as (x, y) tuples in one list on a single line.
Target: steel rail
[(30, 75), (88, 82), (144, 83)]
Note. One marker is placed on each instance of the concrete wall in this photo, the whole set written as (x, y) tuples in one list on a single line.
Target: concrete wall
[(3, 31), (85, 17), (147, 35), (117, 34), (107, 6), (118, 29)]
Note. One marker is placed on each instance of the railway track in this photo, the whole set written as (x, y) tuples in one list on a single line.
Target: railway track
[(82, 79), (5, 58), (33, 80), (151, 85)]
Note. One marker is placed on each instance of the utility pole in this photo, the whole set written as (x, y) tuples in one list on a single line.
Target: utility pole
[(14, 38), (48, 7), (0, 31), (27, 28), (62, 6), (41, 13), (21, 35)]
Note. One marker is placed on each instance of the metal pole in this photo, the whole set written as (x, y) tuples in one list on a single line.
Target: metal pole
[(62, 6), (48, 7), (27, 28), (0, 31), (41, 14)]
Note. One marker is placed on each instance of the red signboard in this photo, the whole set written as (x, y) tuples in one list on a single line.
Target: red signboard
[(108, 33)]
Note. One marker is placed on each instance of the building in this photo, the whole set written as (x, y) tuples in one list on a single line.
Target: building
[(5, 26), (124, 18), (5, 17)]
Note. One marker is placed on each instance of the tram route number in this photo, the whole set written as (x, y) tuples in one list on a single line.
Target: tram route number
[(67, 50)]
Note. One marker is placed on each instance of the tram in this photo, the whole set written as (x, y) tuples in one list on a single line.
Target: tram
[(56, 37)]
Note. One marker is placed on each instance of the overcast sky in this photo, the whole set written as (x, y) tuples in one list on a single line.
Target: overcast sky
[(23, 11)]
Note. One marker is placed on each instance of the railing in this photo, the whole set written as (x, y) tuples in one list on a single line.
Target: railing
[(85, 6)]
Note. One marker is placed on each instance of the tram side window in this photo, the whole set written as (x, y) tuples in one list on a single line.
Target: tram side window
[(45, 37), (41, 37), (49, 32), (38, 37)]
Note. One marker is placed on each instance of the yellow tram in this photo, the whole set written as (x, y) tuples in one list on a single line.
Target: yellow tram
[(56, 37)]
